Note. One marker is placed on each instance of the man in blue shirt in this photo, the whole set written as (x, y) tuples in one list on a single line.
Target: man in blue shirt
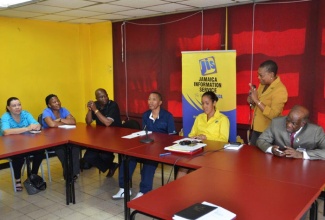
[(155, 119)]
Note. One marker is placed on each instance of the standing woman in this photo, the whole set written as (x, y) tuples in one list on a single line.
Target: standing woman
[(53, 116), (268, 100), (209, 125), (17, 121)]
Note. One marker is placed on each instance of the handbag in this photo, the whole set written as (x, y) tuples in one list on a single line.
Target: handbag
[(34, 184)]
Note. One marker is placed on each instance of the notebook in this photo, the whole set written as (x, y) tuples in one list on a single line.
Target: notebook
[(194, 211), (204, 211)]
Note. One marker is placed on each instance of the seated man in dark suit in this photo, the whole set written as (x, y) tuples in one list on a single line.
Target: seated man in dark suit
[(293, 136)]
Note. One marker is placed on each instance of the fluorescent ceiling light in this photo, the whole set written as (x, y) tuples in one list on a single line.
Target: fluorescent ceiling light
[(7, 3)]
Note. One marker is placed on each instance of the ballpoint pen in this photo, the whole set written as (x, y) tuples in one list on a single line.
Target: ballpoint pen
[(164, 154)]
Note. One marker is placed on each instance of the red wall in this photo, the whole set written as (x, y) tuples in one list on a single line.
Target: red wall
[(292, 34)]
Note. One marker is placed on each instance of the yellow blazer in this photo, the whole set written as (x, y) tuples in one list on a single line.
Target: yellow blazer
[(273, 98)]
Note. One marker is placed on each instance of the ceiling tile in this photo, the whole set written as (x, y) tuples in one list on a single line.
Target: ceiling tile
[(67, 3), (85, 20), (111, 17), (107, 8), (212, 3), (136, 12), (19, 14), (138, 3), (79, 13), (173, 7), (102, 1), (40, 8), (54, 17)]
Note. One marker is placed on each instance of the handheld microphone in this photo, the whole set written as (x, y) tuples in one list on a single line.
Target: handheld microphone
[(251, 104), (146, 140)]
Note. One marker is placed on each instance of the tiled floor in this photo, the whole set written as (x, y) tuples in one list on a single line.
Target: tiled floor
[(93, 197)]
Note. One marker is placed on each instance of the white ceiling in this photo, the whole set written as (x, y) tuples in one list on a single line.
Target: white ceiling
[(93, 11)]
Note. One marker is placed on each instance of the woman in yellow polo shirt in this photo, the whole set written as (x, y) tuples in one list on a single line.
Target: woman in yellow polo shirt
[(209, 125)]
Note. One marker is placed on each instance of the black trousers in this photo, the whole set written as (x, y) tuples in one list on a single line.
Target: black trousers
[(60, 152), (254, 137), (18, 162), (100, 159)]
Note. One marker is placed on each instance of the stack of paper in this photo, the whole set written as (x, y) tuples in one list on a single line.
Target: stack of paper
[(67, 126), (195, 146), (136, 134), (233, 146), (204, 211)]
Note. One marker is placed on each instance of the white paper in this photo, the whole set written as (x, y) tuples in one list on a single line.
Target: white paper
[(185, 148), (35, 132), (136, 134), (233, 146), (219, 213), (67, 126)]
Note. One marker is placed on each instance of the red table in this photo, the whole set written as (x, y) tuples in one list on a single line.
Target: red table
[(246, 182), (249, 162), (249, 197)]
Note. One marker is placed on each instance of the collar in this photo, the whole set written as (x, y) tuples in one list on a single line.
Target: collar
[(150, 117), (298, 131)]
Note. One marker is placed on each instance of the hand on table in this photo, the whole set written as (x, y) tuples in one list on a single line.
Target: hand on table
[(277, 152), (200, 137), (291, 152)]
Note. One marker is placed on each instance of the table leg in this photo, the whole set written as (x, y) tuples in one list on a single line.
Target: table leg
[(126, 160), (66, 174), (68, 167), (136, 212), (313, 212), (72, 190)]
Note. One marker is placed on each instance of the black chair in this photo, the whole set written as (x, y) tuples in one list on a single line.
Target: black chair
[(133, 124)]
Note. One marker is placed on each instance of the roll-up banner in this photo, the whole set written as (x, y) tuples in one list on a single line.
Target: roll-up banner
[(204, 71)]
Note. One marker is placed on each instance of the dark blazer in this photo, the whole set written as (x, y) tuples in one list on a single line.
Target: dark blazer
[(311, 137)]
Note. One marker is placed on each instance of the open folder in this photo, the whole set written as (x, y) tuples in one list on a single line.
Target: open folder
[(194, 146)]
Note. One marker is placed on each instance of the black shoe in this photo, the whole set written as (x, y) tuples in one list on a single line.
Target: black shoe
[(112, 170), (75, 177)]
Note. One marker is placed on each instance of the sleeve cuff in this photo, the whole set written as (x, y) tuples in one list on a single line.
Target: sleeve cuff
[(305, 155), (269, 150)]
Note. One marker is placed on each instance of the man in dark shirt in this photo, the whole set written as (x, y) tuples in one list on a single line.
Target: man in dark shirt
[(106, 113)]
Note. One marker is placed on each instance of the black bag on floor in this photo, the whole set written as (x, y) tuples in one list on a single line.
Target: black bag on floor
[(34, 183)]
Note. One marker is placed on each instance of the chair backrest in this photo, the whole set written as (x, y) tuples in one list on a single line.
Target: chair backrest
[(132, 124), (39, 119)]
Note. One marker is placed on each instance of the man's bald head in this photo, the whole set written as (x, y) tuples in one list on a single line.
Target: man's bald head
[(297, 118)]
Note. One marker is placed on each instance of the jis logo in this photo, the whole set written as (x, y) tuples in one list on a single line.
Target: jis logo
[(208, 66)]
